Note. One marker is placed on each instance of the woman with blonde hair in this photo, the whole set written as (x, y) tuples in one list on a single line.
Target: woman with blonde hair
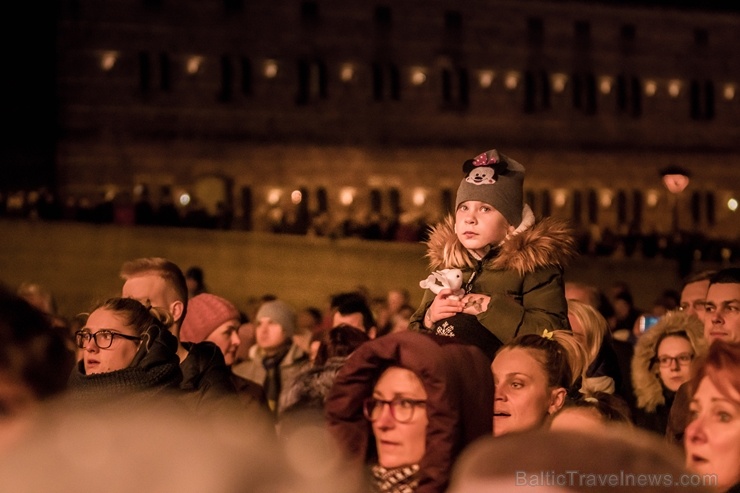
[(591, 329), (661, 363), (533, 374)]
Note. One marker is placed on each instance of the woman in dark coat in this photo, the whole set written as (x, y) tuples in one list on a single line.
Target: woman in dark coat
[(457, 404)]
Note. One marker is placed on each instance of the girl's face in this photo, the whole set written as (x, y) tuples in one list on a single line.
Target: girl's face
[(121, 352), (478, 226), (400, 444), (712, 437), (523, 399), (226, 337), (674, 372)]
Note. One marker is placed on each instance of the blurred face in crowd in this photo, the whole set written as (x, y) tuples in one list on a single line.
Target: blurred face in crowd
[(674, 357), (523, 399), (722, 313), (712, 437), (270, 335), (226, 337), (17, 402), (121, 352), (693, 298), (152, 290), (479, 225), (400, 443)]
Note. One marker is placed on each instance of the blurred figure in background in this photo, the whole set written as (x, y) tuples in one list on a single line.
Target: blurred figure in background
[(35, 362), (195, 281)]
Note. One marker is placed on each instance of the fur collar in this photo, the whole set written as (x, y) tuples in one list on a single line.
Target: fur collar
[(532, 246), (645, 380)]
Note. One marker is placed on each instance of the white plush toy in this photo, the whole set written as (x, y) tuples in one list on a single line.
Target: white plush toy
[(445, 278)]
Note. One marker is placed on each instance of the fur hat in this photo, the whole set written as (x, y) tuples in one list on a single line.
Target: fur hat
[(279, 312), (206, 312), (496, 180)]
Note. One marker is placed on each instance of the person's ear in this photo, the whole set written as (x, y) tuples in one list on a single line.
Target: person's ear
[(176, 309), (557, 399)]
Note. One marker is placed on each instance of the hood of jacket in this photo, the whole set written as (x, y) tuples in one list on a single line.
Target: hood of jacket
[(532, 246), (459, 386), (646, 381)]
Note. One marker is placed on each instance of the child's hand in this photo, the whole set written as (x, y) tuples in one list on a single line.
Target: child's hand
[(474, 304), (445, 305)]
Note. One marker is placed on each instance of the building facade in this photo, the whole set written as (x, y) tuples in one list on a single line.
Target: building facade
[(317, 114)]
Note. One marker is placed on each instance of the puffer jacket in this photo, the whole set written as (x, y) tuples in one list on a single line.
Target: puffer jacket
[(523, 276), (459, 386)]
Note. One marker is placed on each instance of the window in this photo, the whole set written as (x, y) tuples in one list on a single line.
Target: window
[(309, 11), (546, 203), (584, 92), (227, 80), (627, 35), (535, 32), (629, 95), (701, 38), (696, 208), (453, 21), (593, 207), (165, 72), (386, 82), (376, 201), (383, 17), (145, 72), (394, 200), (577, 207), (246, 203), (536, 91), (582, 31), (710, 208), (637, 205), (311, 81), (322, 200), (246, 82), (621, 207), (455, 87), (701, 95)]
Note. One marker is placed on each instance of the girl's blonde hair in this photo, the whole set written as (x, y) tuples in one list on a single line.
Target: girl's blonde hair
[(594, 326)]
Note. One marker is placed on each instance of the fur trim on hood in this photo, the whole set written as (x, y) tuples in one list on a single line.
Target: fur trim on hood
[(645, 379), (532, 246)]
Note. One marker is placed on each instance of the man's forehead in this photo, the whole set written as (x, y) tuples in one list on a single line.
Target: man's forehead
[(145, 286), (722, 292)]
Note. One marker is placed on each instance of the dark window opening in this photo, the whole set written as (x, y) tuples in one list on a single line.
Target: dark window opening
[(246, 82), (701, 97), (322, 200), (453, 21), (165, 72), (710, 208), (309, 11), (530, 199), (577, 207), (145, 72), (312, 81), (376, 201), (621, 208), (582, 34), (593, 207), (246, 203), (696, 208), (394, 201), (701, 37), (637, 205), (227, 80), (546, 203), (536, 91), (383, 16), (535, 31)]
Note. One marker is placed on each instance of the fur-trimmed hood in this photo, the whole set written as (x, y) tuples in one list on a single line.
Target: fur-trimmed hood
[(645, 379), (547, 243)]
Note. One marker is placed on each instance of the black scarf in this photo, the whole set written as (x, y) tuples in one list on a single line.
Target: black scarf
[(272, 377), (155, 368)]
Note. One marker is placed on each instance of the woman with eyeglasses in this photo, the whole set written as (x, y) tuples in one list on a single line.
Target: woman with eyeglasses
[(125, 347), (404, 405), (661, 363)]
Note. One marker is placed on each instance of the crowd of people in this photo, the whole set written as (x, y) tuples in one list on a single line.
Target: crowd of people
[(511, 378)]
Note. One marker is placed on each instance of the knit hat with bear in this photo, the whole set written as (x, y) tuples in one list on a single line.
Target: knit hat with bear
[(279, 312), (497, 180), (206, 312)]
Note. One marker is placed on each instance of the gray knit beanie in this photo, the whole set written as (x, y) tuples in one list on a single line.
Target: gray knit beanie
[(497, 180), (279, 312)]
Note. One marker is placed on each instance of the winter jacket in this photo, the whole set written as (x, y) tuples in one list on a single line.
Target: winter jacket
[(459, 386), (291, 365), (523, 276), (652, 399)]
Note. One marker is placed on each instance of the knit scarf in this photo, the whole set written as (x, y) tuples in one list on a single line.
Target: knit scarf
[(396, 480), (272, 376)]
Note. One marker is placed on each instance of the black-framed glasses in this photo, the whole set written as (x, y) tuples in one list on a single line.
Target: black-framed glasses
[(103, 338), (683, 359), (402, 409)]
